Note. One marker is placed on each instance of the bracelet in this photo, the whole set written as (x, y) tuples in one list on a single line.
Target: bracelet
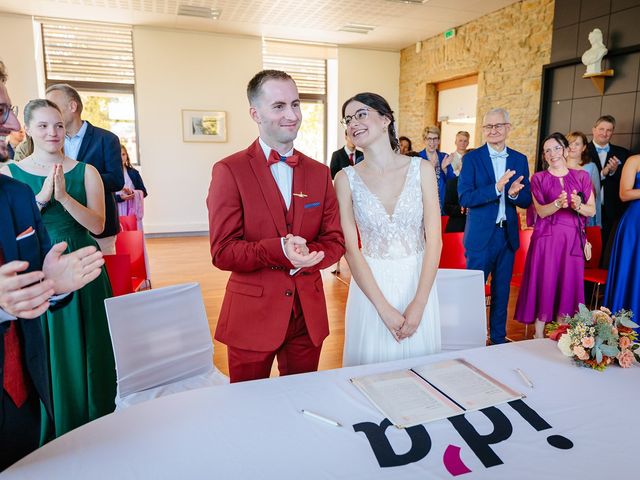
[(41, 205), (578, 209), (555, 204)]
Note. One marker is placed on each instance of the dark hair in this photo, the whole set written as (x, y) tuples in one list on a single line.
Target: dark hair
[(380, 105), (558, 137), (255, 84), (406, 139), (37, 104), (606, 118), (584, 157), (70, 92), (127, 162)]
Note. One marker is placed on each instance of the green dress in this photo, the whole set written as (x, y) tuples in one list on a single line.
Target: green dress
[(81, 364)]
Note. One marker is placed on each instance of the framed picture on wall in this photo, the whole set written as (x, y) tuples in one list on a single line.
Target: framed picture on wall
[(204, 126)]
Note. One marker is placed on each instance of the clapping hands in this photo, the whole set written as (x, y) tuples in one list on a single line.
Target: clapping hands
[(612, 165)]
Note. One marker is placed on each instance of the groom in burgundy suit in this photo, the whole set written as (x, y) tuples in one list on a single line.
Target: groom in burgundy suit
[(274, 223)]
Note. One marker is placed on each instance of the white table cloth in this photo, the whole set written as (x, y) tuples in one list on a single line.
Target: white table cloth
[(254, 430)]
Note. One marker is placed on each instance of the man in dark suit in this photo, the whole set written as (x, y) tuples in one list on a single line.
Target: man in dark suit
[(97, 147), (348, 155), (609, 159), (493, 181), (31, 273)]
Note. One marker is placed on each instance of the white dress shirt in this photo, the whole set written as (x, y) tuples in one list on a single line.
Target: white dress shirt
[(282, 173), (72, 144), (499, 163)]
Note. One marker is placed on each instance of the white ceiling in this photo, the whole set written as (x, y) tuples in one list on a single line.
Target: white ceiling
[(397, 25)]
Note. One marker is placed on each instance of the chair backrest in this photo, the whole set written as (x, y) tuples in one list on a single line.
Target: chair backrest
[(443, 222), (128, 223), (452, 255), (521, 253), (594, 236), (132, 244), (119, 272), (463, 316), (159, 336)]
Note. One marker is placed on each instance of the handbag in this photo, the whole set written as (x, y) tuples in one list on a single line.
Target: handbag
[(584, 243)]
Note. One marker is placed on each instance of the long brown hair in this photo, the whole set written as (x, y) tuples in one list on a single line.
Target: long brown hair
[(127, 162)]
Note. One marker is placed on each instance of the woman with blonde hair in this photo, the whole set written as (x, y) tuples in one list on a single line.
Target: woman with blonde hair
[(440, 161)]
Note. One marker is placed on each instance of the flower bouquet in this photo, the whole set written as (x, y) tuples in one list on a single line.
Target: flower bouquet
[(597, 338)]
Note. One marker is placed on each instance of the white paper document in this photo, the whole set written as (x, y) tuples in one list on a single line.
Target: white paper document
[(433, 392)]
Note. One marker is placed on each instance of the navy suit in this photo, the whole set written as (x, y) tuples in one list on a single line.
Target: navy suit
[(490, 247), (340, 160), (101, 149), (18, 212)]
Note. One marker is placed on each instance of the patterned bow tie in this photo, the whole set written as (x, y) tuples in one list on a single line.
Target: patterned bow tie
[(602, 149), (275, 157)]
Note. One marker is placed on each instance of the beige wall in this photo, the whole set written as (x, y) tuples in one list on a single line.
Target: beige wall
[(367, 71), (178, 70), (507, 50), (19, 58)]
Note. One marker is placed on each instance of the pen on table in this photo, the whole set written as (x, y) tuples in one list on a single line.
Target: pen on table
[(524, 377), (321, 418)]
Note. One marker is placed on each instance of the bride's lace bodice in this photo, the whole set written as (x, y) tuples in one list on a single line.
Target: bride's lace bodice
[(389, 236)]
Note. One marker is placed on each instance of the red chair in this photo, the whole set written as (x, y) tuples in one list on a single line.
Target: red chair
[(443, 222), (452, 255), (132, 243), (521, 257), (592, 272), (119, 272), (128, 223)]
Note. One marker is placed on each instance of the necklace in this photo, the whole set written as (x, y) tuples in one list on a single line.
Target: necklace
[(42, 165)]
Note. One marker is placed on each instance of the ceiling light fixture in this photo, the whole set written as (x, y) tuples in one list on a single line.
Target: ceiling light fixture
[(199, 12), (357, 28), (409, 2)]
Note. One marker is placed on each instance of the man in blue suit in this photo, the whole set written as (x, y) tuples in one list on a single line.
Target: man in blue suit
[(98, 147), (493, 181), (31, 273)]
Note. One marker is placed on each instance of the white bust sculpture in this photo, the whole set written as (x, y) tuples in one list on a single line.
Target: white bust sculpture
[(592, 58)]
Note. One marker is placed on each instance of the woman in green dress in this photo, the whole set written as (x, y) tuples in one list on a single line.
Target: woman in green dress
[(71, 199)]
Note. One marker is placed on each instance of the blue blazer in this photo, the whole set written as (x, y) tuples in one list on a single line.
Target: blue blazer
[(101, 149), (477, 192), (443, 178), (138, 184), (18, 212)]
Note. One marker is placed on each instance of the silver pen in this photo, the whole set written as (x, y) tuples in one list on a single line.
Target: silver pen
[(524, 377), (321, 418)]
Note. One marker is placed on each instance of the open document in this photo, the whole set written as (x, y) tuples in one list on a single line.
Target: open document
[(432, 392)]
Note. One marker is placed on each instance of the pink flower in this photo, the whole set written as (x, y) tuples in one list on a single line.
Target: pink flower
[(614, 330), (625, 358), (624, 343), (588, 342), (580, 352), (606, 310)]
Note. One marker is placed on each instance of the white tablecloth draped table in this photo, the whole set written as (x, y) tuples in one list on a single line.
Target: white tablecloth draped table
[(575, 423)]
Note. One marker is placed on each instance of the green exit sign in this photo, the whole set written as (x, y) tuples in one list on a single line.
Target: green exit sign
[(450, 33)]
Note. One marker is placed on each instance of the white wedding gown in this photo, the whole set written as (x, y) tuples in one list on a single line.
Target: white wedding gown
[(393, 246)]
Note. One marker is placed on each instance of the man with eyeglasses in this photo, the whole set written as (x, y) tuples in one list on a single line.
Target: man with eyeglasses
[(493, 181), (31, 272)]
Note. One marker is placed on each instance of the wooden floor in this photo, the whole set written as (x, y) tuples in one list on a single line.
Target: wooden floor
[(187, 259)]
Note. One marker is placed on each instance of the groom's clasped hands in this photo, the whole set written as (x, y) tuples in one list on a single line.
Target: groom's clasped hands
[(298, 253)]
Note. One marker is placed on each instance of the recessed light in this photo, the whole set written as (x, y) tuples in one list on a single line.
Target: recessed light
[(199, 12)]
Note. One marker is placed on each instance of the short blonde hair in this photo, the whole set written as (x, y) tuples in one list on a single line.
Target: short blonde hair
[(430, 129), (464, 133)]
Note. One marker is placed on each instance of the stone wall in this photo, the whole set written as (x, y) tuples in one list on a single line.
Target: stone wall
[(507, 50)]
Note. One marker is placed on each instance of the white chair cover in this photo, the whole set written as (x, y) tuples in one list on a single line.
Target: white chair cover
[(463, 315), (161, 342)]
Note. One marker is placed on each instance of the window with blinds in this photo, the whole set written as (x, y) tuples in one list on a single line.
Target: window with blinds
[(97, 60), (310, 74), (87, 52)]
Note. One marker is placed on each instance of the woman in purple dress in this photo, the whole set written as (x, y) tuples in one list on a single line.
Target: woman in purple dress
[(552, 284)]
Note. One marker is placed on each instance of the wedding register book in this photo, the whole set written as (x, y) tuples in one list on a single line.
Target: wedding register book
[(433, 392)]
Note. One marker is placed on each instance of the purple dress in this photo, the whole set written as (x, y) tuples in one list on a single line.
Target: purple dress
[(552, 283)]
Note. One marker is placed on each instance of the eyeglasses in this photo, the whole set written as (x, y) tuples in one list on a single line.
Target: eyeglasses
[(5, 110), (360, 115), (497, 127), (432, 139), (549, 151)]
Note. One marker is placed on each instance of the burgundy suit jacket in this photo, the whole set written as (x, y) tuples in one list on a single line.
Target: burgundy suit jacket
[(246, 222)]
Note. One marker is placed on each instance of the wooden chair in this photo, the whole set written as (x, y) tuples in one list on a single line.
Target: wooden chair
[(592, 272), (119, 272), (132, 243)]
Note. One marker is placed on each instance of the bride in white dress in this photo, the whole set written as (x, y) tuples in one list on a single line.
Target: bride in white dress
[(392, 308)]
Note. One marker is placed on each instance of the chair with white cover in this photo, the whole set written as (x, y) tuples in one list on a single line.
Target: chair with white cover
[(463, 316), (161, 343)]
